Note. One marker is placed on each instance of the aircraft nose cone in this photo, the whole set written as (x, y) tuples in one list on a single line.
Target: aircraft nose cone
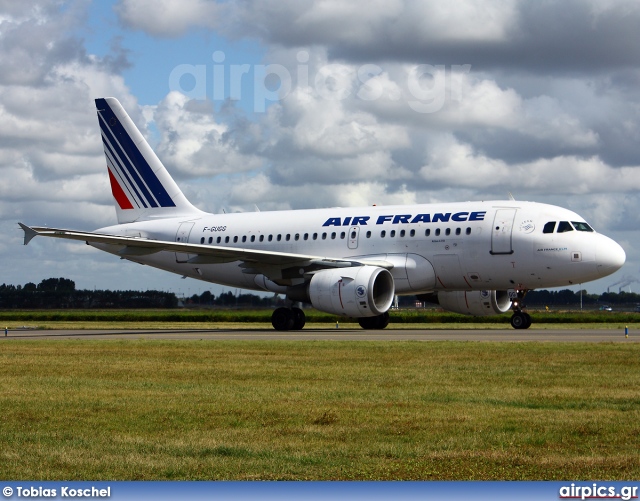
[(609, 257)]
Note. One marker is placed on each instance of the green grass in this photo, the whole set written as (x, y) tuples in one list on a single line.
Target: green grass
[(318, 410), (205, 318)]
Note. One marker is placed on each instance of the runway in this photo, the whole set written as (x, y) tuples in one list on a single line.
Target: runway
[(505, 335)]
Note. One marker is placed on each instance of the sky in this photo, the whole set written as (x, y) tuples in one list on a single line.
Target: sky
[(292, 104)]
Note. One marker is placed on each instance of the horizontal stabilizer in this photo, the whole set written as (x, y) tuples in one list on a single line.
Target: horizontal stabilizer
[(29, 233)]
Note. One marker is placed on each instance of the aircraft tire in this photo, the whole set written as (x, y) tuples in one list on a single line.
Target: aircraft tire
[(520, 320), (282, 319), (367, 322), (298, 319), (374, 323)]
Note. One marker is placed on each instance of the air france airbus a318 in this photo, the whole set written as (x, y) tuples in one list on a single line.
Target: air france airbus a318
[(477, 258)]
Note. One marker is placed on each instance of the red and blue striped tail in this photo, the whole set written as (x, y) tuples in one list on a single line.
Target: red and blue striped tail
[(141, 186)]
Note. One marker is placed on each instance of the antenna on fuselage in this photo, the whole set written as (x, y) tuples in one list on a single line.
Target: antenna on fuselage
[(511, 196)]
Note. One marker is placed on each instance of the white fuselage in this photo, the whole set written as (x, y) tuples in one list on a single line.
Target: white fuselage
[(436, 247)]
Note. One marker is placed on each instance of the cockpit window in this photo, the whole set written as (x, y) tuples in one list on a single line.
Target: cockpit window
[(564, 226), (549, 227), (581, 226)]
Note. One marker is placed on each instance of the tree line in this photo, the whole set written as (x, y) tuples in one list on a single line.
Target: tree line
[(60, 293), (563, 298)]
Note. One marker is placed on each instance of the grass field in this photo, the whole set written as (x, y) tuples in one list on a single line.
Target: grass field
[(207, 319), (318, 410)]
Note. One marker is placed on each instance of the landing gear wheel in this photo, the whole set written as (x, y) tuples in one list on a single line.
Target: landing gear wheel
[(282, 319), (298, 319), (520, 320), (383, 320), (370, 323)]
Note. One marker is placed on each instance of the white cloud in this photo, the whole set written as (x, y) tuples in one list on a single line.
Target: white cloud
[(466, 20), (193, 143), (450, 162), (548, 108), (167, 17), (51, 159), (327, 128)]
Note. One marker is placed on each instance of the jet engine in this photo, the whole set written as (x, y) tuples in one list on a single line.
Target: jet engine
[(363, 291), (476, 303)]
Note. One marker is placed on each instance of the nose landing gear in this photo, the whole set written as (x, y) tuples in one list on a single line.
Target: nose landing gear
[(519, 319)]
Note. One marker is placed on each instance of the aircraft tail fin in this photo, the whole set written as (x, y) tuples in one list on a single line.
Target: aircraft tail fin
[(142, 187)]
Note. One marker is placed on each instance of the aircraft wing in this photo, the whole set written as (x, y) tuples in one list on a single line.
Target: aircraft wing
[(278, 266)]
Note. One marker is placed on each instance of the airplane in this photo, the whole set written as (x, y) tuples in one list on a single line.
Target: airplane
[(477, 258)]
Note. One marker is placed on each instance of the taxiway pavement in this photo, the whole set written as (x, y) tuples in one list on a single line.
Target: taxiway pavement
[(509, 335)]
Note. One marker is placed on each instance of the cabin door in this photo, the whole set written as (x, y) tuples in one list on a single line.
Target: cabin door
[(501, 231), (182, 236)]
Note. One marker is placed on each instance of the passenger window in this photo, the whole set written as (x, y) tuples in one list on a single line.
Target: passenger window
[(261, 238), (458, 231), (564, 226), (270, 238), (402, 233), (383, 233), (202, 240), (447, 231), (253, 238), (315, 236), (581, 226), (468, 232), (226, 240), (427, 232), (244, 238), (306, 236), (210, 239), (324, 236), (353, 235), (333, 235), (343, 235), (288, 237), (412, 233), (437, 232), (393, 233), (549, 227), (218, 240), (235, 240), (368, 234), (279, 238)]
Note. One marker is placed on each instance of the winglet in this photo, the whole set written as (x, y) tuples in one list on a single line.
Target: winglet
[(29, 233)]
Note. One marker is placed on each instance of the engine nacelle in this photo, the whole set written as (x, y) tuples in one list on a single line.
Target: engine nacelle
[(476, 303), (363, 291)]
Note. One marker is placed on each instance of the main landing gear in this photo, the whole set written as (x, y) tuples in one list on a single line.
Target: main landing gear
[(288, 319), (379, 322), (519, 319), (293, 319)]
